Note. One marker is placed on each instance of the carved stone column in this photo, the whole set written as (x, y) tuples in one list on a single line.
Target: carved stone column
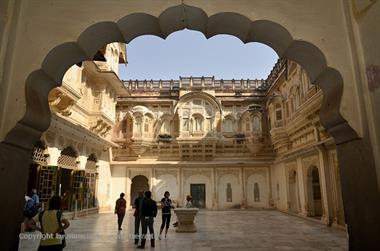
[(302, 188), (54, 153), (215, 193), (326, 188), (243, 188)]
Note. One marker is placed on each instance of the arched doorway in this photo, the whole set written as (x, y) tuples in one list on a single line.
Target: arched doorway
[(139, 183), (352, 150), (314, 192), (293, 192)]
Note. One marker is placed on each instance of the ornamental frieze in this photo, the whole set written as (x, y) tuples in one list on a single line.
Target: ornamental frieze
[(197, 171)]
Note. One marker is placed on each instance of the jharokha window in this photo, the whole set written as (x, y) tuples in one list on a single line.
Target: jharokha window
[(256, 124), (228, 125)]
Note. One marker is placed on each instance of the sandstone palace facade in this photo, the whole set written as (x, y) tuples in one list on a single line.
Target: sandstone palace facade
[(228, 143)]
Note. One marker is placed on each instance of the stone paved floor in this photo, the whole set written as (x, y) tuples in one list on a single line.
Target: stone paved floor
[(217, 230)]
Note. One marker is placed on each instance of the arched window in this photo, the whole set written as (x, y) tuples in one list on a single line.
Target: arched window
[(256, 192), (247, 125), (185, 124), (228, 125), (197, 123), (208, 124), (124, 125), (138, 124), (146, 124), (229, 192), (165, 127), (256, 124)]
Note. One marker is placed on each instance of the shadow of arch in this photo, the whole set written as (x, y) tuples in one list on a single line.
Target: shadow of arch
[(37, 116)]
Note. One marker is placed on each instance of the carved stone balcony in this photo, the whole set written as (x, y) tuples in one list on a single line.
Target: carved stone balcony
[(62, 100), (140, 146), (279, 137), (255, 144), (100, 123)]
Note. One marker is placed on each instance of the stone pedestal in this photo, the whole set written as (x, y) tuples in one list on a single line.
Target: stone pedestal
[(185, 218)]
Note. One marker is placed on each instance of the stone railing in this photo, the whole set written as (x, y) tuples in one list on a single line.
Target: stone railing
[(196, 83)]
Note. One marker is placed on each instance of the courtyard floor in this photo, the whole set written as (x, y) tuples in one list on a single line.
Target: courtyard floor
[(217, 230)]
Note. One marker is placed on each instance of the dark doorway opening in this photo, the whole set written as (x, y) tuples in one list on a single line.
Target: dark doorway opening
[(198, 192)]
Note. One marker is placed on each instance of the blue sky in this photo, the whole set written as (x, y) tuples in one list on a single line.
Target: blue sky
[(189, 53)]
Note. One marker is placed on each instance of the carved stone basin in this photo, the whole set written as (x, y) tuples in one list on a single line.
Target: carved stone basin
[(185, 218)]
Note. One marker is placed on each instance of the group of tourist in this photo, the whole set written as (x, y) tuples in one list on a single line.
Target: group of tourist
[(52, 223), (145, 212)]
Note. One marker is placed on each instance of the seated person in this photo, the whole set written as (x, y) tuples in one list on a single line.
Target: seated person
[(188, 204), (189, 201)]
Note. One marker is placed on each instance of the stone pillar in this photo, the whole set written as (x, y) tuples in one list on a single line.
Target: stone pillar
[(81, 162), (325, 185), (243, 188), (128, 184), (54, 154), (214, 194), (181, 188), (152, 181), (302, 188), (361, 195), (14, 172)]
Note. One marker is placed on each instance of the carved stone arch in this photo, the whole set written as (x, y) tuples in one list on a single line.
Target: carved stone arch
[(351, 148), (161, 120), (230, 116), (201, 95), (276, 97)]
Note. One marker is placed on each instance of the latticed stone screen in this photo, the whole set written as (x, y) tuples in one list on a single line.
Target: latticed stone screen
[(67, 161), (78, 186), (38, 155), (47, 181), (91, 186)]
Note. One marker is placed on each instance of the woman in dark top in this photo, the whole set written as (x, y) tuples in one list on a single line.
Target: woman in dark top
[(166, 205)]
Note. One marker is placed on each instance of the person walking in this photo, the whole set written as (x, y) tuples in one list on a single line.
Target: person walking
[(138, 215), (166, 206), (149, 211), (52, 226), (120, 208)]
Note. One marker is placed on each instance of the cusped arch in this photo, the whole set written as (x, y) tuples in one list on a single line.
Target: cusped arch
[(138, 24), (310, 57), (229, 23), (230, 116), (98, 35), (183, 17)]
